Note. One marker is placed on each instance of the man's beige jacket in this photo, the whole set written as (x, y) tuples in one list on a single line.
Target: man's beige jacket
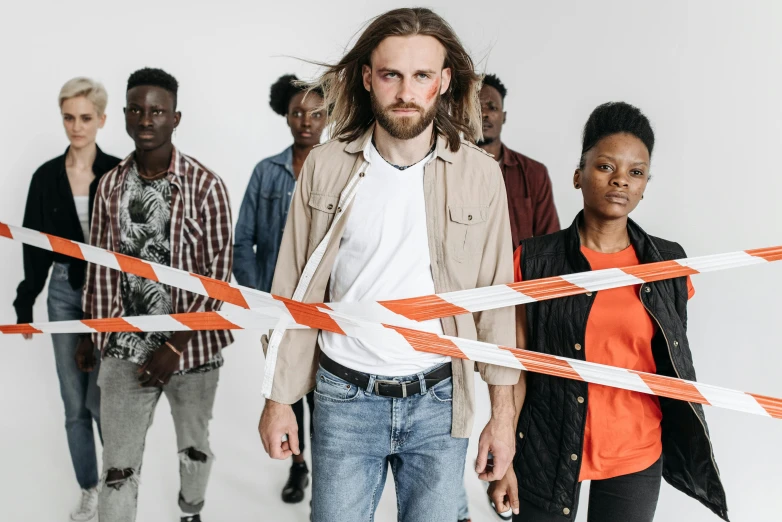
[(469, 246)]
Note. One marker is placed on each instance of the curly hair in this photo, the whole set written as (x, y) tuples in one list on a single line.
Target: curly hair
[(616, 118), (492, 81), (283, 91), (156, 78)]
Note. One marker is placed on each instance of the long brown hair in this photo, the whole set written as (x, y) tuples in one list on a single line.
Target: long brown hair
[(348, 102)]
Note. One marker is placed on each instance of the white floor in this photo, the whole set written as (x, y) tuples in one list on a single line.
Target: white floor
[(36, 478)]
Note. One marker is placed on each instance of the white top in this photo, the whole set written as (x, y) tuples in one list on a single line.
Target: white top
[(384, 254), (83, 211)]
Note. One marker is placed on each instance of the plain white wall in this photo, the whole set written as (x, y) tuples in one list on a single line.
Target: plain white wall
[(708, 74)]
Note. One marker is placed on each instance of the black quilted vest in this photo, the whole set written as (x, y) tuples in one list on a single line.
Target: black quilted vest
[(551, 425)]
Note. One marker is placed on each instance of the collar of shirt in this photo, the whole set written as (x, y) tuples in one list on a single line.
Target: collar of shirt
[(362, 145), (285, 160)]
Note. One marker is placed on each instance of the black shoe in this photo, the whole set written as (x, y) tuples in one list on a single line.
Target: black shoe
[(299, 478), (191, 518)]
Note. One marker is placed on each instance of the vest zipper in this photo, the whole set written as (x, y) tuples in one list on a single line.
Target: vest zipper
[(673, 365)]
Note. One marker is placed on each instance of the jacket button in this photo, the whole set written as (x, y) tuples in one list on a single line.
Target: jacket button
[(469, 218), (521, 435), (361, 175), (566, 511), (589, 294), (330, 206), (578, 346), (647, 289), (675, 344), (339, 209), (580, 400), (574, 457)]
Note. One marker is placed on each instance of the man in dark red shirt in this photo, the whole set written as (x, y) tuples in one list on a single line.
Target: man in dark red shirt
[(530, 202)]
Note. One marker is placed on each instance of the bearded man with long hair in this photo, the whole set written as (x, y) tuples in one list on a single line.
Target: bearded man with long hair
[(428, 213)]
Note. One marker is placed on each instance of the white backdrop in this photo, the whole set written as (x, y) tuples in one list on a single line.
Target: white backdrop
[(707, 73)]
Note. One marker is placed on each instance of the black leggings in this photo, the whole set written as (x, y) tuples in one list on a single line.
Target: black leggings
[(298, 410), (628, 498)]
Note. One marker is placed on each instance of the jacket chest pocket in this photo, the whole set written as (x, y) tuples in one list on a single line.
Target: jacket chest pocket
[(466, 231), (323, 208)]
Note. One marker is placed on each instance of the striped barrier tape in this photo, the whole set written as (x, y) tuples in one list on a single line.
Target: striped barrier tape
[(277, 310), (457, 347), (401, 312)]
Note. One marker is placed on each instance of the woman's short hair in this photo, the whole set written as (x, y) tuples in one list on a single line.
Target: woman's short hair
[(89, 88), (283, 91), (616, 118)]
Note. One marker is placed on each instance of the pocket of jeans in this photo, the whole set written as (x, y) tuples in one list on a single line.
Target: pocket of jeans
[(331, 388), (60, 272), (443, 390)]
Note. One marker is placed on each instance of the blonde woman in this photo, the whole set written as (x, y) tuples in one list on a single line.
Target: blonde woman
[(60, 203)]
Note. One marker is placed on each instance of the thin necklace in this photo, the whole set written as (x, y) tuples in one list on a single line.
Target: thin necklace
[(403, 167)]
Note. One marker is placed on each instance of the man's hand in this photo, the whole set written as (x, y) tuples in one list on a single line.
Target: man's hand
[(85, 354), (164, 361), (498, 436), (277, 420), (505, 493)]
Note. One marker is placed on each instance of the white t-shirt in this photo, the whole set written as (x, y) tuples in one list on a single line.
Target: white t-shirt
[(384, 254), (83, 211)]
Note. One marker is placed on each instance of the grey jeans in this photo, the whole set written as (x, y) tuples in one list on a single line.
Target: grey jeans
[(127, 411)]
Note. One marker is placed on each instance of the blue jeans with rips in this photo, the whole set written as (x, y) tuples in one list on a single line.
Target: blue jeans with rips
[(79, 390), (358, 434)]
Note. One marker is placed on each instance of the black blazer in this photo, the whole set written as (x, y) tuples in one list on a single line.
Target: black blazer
[(50, 209)]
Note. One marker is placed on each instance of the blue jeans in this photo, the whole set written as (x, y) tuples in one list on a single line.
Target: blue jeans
[(79, 390), (358, 434)]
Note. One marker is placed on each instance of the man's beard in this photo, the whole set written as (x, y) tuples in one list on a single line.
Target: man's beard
[(407, 127), (485, 141)]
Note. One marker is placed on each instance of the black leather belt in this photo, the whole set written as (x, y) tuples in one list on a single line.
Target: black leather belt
[(399, 389)]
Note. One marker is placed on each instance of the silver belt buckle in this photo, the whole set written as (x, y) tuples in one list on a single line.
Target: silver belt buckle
[(402, 383)]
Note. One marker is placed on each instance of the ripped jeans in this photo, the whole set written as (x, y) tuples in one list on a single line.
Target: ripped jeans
[(127, 411)]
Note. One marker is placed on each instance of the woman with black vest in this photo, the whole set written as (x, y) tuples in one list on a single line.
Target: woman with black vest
[(60, 203), (569, 431)]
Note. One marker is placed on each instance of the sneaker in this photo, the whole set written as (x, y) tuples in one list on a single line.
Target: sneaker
[(299, 478), (191, 518), (88, 507)]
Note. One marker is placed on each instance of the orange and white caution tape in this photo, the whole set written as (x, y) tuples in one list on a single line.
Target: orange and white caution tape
[(368, 320), (400, 312), (412, 339)]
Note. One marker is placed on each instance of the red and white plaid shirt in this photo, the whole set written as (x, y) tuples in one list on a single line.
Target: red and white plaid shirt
[(201, 243)]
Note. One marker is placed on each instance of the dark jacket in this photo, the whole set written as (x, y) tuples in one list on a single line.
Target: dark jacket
[(530, 201), (552, 421), (50, 209)]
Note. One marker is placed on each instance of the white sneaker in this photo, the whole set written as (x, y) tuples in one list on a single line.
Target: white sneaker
[(88, 507)]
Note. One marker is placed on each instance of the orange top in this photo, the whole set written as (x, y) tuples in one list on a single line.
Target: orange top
[(623, 433)]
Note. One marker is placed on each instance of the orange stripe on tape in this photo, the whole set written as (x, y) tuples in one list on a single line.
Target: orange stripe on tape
[(309, 315), (428, 342), (770, 404), (544, 363), (5, 231), (423, 308), (205, 321), (661, 270), (769, 254), (18, 328), (65, 246), (670, 387), (548, 288), (113, 324), (222, 291), (135, 266)]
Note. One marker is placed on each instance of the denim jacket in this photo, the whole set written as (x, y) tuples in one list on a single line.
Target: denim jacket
[(262, 220)]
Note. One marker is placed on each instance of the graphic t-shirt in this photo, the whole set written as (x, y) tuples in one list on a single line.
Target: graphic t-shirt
[(145, 231)]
